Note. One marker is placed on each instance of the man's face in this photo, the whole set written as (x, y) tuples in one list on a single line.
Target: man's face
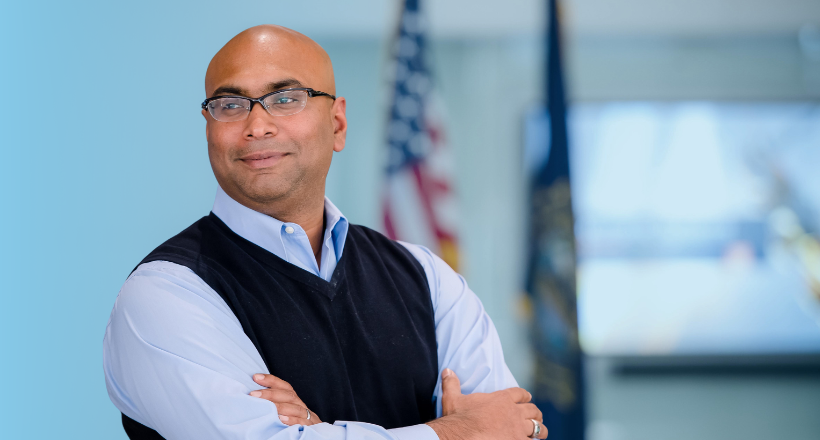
[(264, 158)]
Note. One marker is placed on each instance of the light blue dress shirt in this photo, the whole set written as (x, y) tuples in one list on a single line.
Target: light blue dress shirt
[(176, 358)]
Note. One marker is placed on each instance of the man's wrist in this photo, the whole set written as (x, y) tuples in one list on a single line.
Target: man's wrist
[(452, 427)]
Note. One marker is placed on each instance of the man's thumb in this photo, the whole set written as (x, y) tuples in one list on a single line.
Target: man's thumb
[(450, 385)]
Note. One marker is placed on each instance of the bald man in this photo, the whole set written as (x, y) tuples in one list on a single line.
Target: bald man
[(273, 314)]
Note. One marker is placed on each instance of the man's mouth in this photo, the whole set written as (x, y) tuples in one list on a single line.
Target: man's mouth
[(263, 159)]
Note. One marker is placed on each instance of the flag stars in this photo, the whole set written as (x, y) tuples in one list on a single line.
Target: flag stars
[(412, 22), (408, 107), (400, 71), (399, 131), (417, 145), (407, 48), (396, 158), (418, 83)]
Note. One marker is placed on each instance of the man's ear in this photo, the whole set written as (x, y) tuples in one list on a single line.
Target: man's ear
[(339, 123)]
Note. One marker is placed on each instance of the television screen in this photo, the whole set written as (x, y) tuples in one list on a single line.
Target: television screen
[(698, 227)]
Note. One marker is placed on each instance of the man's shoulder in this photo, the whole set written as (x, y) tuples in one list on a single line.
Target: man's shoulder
[(364, 232), (418, 253), (161, 269), (165, 275), (161, 290), (152, 280), (361, 231), (183, 246), (429, 261)]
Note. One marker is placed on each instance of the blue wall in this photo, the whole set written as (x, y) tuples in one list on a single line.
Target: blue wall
[(103, 157), (84, 195)]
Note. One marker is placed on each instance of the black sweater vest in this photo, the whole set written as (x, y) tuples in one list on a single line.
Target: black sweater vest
[(361, 347)]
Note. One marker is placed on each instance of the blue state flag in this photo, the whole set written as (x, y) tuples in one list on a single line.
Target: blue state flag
[(558, 372)]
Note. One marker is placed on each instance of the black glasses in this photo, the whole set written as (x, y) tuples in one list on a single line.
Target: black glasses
[(279, 103)]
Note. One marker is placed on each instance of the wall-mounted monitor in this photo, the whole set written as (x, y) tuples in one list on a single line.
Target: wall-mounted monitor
[(698, 227)]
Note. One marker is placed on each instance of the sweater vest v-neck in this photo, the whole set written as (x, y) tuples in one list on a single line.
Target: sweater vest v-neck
[(360, 347)]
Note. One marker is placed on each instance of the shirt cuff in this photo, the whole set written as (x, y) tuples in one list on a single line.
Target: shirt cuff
[(415, 432)]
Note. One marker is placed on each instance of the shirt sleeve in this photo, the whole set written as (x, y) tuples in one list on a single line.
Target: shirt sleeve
[(177, 360), (467, 340)]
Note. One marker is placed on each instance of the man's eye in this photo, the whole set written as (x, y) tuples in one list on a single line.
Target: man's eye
[(231, 106), (284, 100)]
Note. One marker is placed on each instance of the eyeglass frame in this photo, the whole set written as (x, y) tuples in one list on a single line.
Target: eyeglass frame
[(311, 93)]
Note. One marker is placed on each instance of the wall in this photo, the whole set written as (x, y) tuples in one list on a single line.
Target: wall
[(104, 158)]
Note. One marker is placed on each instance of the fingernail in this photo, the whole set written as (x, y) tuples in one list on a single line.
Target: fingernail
[(447, 372), (256, 393), (530, 395), (283, 418), (258, 376)]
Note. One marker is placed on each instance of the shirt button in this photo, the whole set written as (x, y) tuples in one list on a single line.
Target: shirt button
[(289, 230)]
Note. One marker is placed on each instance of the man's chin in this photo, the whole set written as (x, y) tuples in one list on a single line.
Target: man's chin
[(258, 189), (264, 194)]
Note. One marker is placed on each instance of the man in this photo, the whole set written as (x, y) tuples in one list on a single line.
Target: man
[(274, 312)]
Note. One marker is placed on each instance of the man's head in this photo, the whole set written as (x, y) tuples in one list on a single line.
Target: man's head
[(267, 161)]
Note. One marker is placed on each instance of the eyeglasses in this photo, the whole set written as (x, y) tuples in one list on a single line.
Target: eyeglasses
[(279, 103)]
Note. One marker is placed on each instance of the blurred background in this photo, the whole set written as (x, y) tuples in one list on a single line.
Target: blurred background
[(694, 149)]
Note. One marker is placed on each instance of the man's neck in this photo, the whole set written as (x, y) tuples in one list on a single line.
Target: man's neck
[(307, 212), (312, 220), (316, 233)]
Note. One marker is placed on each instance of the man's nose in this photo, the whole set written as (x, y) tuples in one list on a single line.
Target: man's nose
[(260, 123)]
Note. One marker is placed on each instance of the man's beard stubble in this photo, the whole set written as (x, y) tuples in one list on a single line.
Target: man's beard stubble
[(267, 187)]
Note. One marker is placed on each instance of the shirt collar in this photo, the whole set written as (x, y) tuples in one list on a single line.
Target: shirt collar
[(266, 231), (336, 228)]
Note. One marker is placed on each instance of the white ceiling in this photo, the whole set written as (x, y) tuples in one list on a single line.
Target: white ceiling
[(489, 18), (691, 17)]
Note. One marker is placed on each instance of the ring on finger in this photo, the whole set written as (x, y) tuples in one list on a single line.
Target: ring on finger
[(308, 417), (536, 428)]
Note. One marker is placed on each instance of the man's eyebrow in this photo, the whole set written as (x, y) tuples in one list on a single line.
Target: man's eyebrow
[(281, 84), (271, 87), (229, 90)]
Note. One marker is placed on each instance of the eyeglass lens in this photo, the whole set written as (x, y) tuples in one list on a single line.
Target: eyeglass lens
[(284, 103)]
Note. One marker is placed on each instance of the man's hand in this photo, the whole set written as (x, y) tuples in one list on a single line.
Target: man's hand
[(291, 409), (502, 415)]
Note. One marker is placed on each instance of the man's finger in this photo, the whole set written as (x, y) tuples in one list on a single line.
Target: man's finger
[(291, 410), (290, 421), (528, 427), (271, 381), (530, 411), (450, 391), (450, 385), (518, 395), (278, 396), (544, 432), (291, 414)]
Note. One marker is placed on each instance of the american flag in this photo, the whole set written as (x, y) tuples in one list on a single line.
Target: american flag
[(419, 204)]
